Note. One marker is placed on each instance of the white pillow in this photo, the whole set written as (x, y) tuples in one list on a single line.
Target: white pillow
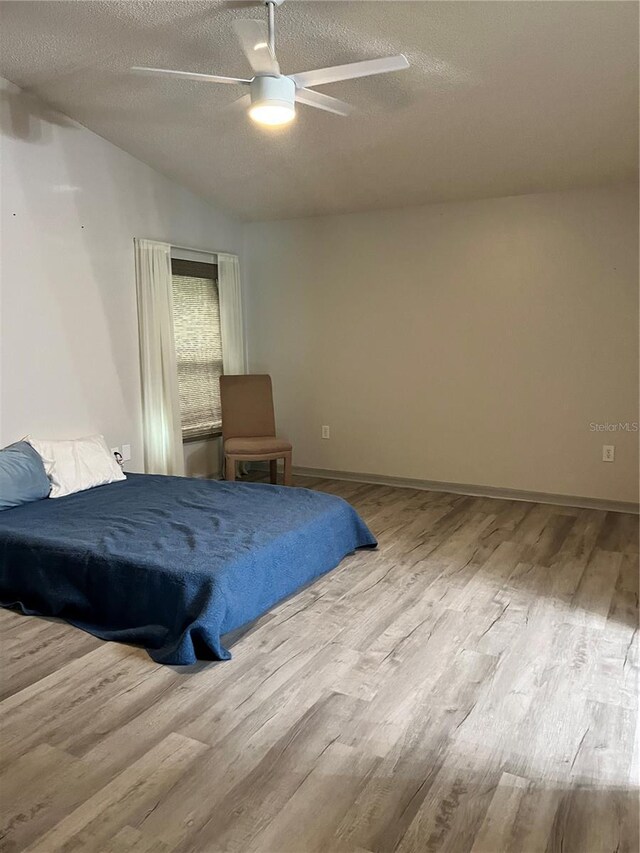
[(77, 464)]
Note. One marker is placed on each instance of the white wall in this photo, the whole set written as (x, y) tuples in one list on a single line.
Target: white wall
[(470, 343), (71, 206)]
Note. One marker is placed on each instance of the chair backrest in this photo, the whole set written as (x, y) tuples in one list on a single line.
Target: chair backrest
[(247, 406)]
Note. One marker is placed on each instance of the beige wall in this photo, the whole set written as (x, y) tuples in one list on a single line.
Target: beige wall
[(470, 343), (202, 458)]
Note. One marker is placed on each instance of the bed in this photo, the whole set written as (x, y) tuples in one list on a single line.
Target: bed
[(171, 563)]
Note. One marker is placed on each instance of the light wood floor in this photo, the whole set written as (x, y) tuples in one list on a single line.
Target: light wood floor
[(471, 686)]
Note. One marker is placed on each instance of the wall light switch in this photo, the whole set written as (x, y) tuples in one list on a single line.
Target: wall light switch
[(126, 452), (326, 432), (608, 452)]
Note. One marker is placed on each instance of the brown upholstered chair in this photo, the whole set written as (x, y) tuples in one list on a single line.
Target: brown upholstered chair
[(249, 427)]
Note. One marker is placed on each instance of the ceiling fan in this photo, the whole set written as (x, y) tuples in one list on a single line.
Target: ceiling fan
[(272, 96)]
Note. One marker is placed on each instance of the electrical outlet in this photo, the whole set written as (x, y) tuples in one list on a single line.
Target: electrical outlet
[(608, 452), (126, 452), (326, 432)]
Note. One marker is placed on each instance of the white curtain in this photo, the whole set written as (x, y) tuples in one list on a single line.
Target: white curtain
[(231, 324), (231, 317), (162, 431)]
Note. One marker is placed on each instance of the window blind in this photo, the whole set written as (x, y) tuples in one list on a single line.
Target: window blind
[(196, 323)]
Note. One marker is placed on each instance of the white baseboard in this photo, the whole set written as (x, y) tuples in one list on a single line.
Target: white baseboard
[(468, 489)]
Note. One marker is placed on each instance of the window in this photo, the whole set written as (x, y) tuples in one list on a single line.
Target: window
[(196, 323)]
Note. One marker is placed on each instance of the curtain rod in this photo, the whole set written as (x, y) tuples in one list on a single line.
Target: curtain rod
[(191, 248), (202, 251)]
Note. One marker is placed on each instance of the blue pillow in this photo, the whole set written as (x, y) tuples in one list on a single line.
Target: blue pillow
[(22, 476)]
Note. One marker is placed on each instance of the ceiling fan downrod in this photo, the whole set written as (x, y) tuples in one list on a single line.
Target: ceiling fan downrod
[(271, 23)]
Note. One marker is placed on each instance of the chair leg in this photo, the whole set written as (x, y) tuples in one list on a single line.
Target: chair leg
[(287, 469), (230, 468), (273, 471)]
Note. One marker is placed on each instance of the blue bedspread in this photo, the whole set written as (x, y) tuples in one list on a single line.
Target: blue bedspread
[(171, 563)]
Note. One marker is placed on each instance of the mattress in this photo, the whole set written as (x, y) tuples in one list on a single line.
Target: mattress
[(171, 563)]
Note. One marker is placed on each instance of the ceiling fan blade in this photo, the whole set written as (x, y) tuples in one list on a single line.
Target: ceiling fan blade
[(349, 71), (322, 102), (254, 38), (240, 103), (191, 75)]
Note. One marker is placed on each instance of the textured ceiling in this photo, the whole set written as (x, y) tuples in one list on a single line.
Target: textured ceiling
[(501, 98)]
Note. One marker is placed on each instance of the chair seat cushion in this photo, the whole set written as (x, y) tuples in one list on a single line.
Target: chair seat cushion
[(255, 445)]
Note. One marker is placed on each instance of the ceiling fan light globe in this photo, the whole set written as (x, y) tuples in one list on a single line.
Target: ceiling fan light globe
[(272, 113)]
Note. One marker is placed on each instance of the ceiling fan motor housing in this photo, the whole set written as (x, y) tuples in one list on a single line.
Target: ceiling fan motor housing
[(273, 91)]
